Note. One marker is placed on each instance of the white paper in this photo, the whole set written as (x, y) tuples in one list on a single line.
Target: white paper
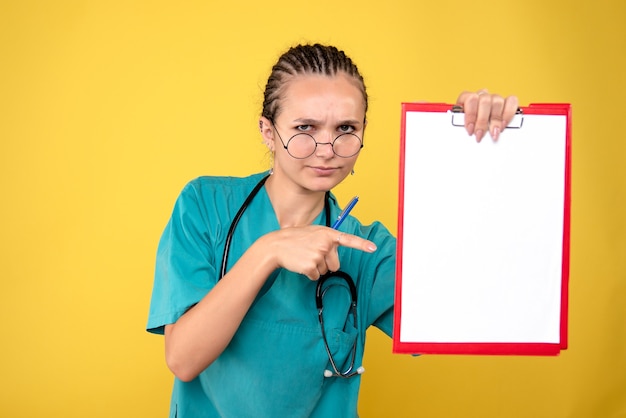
[(483, 232)]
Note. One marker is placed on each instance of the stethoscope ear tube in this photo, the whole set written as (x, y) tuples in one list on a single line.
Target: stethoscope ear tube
[(233, 224)]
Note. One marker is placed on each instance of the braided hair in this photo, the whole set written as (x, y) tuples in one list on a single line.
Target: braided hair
[(306, 59)]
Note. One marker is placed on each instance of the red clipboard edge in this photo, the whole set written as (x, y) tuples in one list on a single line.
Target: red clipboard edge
[(500, 349), (487, 348)]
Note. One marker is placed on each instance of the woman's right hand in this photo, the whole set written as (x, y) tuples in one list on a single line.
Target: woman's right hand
[(311, 250)]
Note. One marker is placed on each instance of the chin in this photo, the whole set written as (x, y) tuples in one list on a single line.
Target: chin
[(324, 184)]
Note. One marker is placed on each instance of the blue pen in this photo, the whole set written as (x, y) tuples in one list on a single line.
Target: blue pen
[(344, 213)]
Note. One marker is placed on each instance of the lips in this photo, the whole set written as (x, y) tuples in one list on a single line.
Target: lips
[(324, 171)]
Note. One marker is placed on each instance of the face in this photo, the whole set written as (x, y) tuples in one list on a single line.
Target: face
[(323, 107)]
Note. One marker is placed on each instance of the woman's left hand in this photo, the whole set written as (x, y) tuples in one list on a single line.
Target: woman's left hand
[(486, 112)]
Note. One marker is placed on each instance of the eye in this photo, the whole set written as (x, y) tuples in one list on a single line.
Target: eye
[(346, 129), (303, 128)]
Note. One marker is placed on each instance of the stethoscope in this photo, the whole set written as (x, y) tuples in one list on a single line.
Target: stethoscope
[(319, 293)]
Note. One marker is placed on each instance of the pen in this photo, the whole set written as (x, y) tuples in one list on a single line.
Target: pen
[(344, 213)]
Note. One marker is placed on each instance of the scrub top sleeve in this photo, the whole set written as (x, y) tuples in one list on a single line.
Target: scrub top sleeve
[(380, 309), (381, 301), (185, 269)]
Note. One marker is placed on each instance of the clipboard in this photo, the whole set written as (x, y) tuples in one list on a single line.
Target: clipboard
[(483, 234)]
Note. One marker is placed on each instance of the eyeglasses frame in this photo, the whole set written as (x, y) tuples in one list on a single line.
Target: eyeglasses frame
[(332, 143)]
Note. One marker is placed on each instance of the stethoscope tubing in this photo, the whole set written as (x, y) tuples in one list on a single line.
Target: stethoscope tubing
[(235, 221), (318, 290)]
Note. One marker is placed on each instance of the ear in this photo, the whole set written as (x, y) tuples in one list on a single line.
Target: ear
[(267, 132)]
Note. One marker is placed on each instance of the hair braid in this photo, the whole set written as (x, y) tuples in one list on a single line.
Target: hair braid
[(306, 59)]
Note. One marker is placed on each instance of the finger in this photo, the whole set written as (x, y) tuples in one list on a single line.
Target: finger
[(332, 261), (311, 273), (482, 116), (495, 121), (469, 102), (511, 104), (352, 241), (322, 267), (469, 95)]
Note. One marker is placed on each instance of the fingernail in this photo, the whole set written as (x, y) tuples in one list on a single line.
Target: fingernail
[(371, 247), (496, 133), (470, 129), (479, 135)]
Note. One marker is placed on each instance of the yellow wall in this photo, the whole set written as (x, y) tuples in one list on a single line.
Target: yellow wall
[(108, 107)]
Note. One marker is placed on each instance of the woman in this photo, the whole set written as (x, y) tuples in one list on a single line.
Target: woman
[(245, 339)]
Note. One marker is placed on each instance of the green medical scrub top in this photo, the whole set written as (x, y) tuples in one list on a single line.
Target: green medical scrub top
[(274, 365)]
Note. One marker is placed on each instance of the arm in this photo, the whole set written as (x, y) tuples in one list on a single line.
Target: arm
[(202, 333)]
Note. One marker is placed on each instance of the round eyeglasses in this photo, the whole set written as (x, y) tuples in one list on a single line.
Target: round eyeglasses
[(303, 145)]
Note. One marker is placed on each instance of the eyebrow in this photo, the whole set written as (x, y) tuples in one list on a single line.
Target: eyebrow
[(306, 121)]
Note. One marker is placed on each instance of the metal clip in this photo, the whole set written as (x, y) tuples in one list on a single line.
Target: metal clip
[(458, 118)]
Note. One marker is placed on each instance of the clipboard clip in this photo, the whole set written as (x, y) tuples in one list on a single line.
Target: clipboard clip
[(458, 118)]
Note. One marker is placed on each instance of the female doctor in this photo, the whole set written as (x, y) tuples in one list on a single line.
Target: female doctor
[(263, 304)]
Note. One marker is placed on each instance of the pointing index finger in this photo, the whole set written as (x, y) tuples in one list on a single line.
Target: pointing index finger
[(353, 241)]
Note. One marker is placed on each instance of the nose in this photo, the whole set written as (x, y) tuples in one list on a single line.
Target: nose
[(324, 148)]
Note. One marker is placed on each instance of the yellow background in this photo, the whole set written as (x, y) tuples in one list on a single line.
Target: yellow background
[(107, 108)]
